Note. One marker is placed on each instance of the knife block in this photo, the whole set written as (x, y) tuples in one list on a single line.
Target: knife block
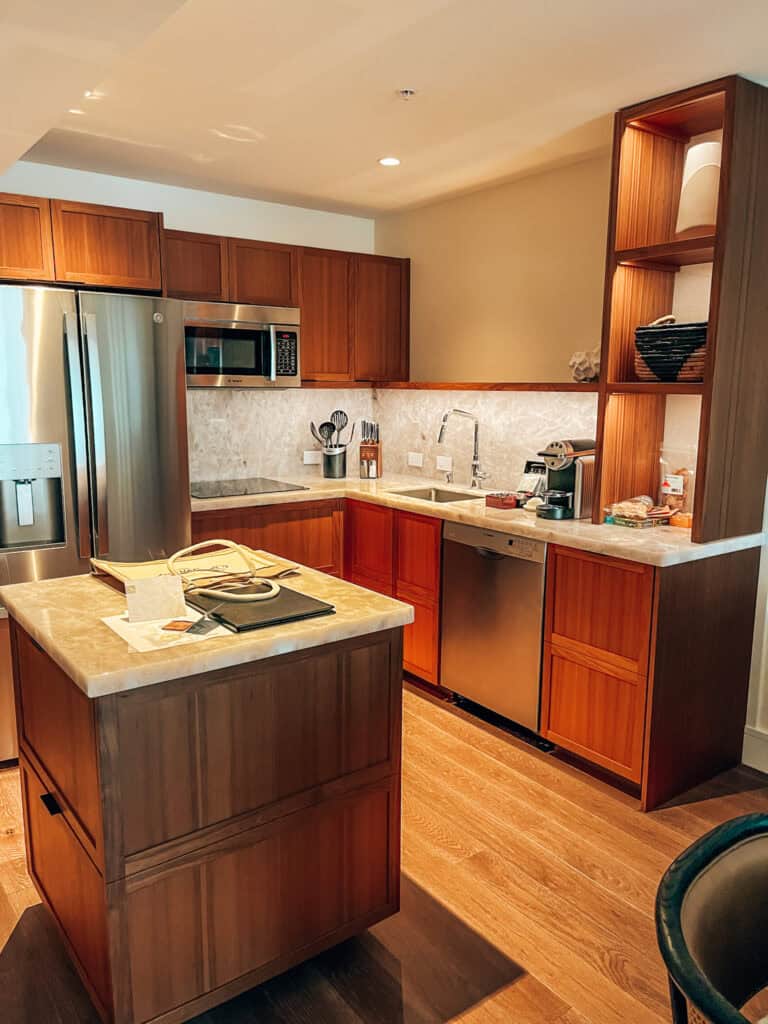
[(371, 452)]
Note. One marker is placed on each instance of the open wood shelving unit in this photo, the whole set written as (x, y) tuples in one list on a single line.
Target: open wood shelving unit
[(644, 256)]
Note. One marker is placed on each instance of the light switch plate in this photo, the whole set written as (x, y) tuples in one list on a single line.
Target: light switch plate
[(415, 459), (444, 462), (312, 458)]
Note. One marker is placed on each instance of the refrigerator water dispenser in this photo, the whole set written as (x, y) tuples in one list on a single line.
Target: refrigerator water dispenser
[(31, 496)]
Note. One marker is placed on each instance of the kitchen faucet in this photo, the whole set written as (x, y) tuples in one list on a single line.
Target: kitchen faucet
[(477, 474)]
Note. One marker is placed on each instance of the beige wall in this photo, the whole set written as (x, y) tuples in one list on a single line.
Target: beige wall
[(506, 282)]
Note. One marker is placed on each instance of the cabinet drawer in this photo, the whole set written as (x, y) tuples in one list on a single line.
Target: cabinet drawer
[(70, 884), (601, 603), (268, 896), (595, 714)]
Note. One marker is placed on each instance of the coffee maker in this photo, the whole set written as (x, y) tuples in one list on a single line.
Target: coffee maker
[(570, 486)]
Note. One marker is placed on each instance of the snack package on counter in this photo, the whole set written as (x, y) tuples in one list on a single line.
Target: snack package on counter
[(639, 511)]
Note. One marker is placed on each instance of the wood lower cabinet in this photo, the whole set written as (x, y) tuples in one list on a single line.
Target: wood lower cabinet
[(399, 554), (369, 545), (196, 266), (646, 670), (381, 318), (248, 818), (26, 241), (263, 273), (7, 710), (309, 532), (106, 246), (325, 295)]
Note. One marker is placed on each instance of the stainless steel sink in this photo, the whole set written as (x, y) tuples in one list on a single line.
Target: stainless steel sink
[(438, 494)]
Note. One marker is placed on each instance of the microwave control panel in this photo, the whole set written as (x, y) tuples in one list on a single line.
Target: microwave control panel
[(287, 354)]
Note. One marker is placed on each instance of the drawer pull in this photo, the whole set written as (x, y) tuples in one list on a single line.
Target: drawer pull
[(50, 803)]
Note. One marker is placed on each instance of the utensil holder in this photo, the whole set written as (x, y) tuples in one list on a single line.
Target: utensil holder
[(334, 463)]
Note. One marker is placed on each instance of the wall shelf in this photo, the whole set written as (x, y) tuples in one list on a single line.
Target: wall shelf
[(415, 385), (682, 252), (640, 387)]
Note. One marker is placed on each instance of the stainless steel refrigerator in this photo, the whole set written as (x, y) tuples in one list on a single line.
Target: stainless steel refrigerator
[(93, 432)]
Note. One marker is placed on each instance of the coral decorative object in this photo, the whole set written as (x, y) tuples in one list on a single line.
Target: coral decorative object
[(585, 366)]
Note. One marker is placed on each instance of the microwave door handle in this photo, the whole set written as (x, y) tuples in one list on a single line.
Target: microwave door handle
[(96, 406), (272, 353), (78, 435)]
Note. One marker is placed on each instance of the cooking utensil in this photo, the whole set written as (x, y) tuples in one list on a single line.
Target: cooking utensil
[(348, 442), (326, 430), (339, 419), (315, 434)]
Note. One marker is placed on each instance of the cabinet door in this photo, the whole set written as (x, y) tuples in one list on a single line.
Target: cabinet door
[(382, 317), (417, 582), (8, 747), (368, 546), (26, 244), (305, 532), (69, 883), (106, 245), (594, 713), (196, 266), (263, 273), (325, 290)]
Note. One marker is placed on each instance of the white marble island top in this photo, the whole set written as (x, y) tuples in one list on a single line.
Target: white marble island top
[(64, 617), (659, 546)]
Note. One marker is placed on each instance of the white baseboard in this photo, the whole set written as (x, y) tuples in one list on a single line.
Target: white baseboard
[(755, 752)]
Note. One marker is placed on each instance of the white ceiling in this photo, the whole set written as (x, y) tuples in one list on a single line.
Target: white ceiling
[(51, 51), (306, 90)]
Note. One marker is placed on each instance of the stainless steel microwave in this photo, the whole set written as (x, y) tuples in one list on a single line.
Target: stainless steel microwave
[(237, 346)]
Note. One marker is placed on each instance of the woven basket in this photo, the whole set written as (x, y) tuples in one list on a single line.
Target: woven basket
[(666, 351)]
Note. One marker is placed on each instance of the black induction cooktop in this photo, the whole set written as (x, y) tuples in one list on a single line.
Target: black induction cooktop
[(239, 488)]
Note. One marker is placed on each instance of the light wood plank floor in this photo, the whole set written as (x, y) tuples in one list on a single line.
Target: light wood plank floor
[(528, 894)]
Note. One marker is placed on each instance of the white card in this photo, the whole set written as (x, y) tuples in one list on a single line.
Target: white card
[(158, 597)]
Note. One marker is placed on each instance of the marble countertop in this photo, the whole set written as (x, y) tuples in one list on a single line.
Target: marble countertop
[(64, 617), (659, 546)]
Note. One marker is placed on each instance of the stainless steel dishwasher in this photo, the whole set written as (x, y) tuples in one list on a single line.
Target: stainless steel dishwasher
[(492, 620)]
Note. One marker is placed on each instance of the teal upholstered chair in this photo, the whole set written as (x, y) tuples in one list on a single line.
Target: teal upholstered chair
[(712, 923)]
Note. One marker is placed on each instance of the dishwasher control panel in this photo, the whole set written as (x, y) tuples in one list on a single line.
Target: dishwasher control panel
[(493, 540)]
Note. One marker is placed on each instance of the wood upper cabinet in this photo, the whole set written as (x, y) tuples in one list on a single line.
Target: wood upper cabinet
[(325, 297), (263, 273), (596, 657), (106, 245), (26, 243), (196, 266), (381, 318)]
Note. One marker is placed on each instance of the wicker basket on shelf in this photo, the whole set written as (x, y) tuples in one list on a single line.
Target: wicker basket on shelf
[(668, 351)]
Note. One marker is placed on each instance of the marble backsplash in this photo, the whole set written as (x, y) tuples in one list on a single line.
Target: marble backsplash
[(234, 434), (514, 425), (265, 433)]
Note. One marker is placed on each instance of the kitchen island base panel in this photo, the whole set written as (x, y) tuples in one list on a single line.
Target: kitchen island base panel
[(227, 882)]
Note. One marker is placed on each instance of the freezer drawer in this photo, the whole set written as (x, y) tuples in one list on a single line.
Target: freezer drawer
[(492, 614)]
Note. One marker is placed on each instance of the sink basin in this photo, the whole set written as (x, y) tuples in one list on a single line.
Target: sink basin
[(438, 494)]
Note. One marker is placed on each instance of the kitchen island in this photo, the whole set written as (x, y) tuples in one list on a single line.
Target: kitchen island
[(201, 818)]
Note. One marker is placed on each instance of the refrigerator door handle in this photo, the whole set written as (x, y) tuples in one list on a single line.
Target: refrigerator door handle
[(96, 407), (78, 435), (272, 352)]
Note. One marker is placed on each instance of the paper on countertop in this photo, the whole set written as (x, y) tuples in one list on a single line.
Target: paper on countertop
[(147, 637), (157, 597)]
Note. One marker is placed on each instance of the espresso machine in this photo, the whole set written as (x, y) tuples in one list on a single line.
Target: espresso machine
[(570, 487)]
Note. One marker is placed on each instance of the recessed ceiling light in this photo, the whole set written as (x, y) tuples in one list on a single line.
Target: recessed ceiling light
[(75, 110), (93, 94), (389, 161)]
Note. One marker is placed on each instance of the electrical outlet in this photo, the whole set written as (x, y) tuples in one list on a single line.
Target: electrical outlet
[(444, 463), (415, 459), (312, 458)]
